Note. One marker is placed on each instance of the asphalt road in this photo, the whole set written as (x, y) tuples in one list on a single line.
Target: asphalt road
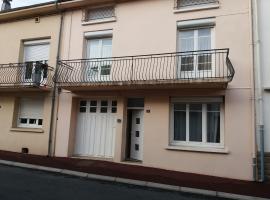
[(25, 184)]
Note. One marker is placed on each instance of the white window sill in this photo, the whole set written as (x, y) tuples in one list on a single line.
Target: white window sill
[(99, 21), (27, 130), (197, 8), (267, 88), (199, 149)]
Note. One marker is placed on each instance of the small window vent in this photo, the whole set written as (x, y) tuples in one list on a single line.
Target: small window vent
[(190, 3), (25, 150), (99, 13)]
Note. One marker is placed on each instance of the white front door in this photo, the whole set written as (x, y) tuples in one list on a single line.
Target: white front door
[(100, 53), (136, 147), (96, 124), (196, 63)]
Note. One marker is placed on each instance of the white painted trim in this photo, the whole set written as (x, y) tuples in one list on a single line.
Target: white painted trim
[(29, 130), (36, 42), (197, 8), (104, 33), (197, 100), (199, 149), (132, 182), (196, 23), (99, 21)]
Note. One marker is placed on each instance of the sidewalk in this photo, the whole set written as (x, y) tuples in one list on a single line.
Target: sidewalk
[(147, 174)]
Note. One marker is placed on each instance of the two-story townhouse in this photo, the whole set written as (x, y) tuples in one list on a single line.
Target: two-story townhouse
[(160, 83), (28, 44)]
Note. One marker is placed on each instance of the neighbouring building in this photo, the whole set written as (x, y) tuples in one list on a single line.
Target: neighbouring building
[(28, 45), (159, 83), (262, 71)]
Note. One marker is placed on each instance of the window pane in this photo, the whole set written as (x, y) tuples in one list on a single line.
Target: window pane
[(23, 121), (104, 103), (32, 121), (204, 39), (180, 107), (213, 123), (82, 109), (195, 123), (103, 109), (195, 107), (213, 107), (105, 70), (205, 62), (114, 103), (82, 103), (93, 109), (40, 122), (93, 103), (187, 63), (114, 109), (180, 125)]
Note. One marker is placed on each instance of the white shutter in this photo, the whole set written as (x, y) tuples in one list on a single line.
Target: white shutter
[(31, 108), (36, 51)]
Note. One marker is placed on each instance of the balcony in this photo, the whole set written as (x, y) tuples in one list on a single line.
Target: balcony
[(26, 76), (195, 69)]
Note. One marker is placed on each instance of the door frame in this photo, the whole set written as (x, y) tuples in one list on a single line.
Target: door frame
[(128, 134)]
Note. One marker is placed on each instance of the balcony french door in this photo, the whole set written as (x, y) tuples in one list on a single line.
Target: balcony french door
[(196, 62), (36, 53), (99, 52)]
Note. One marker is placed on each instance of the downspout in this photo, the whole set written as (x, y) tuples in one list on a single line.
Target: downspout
[(55, 90), (259, 130)]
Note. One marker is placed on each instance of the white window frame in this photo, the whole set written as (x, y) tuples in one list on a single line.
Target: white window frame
[(204, 143), (179, 9), (194, 25), (28, 125), (87, 21)]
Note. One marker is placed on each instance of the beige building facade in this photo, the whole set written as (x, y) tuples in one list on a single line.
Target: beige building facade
[(25, 92), (173, 111), (156, 83)]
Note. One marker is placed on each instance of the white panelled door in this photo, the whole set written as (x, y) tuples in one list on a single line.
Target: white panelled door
[(136, 147), (99, 68), (96, 126)]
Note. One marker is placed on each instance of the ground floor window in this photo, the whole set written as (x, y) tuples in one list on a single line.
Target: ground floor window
[(197, 122), (30, 113)]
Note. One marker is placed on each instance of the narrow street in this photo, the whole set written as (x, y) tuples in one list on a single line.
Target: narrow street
[(24, 184)]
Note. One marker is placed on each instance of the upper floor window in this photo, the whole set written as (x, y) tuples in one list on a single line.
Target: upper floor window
[(197, 40), (99, 51), (102, 13), (36, 56), (194, 3)]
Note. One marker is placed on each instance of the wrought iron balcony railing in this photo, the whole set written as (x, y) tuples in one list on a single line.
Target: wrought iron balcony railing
[(182, 67), (28, 74), (189, 3)]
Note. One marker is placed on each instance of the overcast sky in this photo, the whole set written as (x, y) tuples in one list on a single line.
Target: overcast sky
[(20, 3)]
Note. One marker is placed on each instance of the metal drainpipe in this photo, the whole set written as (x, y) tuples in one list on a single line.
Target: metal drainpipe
[(55, 91), (258, 83)]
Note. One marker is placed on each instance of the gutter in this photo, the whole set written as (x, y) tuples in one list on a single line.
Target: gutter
[(55, 90), (259, 118)]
